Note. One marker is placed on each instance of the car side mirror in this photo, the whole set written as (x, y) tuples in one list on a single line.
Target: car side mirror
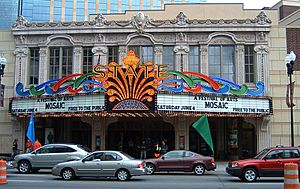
[(34, 152), (163, 157)]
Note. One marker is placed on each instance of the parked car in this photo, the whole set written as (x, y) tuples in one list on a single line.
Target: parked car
[(181, 160), (101, 163), (267, 163), (47, 156)]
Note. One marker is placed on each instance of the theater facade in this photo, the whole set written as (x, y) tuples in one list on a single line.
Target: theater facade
[(116, 80)]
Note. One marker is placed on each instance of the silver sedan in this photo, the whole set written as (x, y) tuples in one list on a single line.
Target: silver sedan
[(101, 163)]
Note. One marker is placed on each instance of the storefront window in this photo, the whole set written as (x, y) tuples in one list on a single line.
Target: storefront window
[(221, 61), (60, 62), (34, 66), (87, 60)]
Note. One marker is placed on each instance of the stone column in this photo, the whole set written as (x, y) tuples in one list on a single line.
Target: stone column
[(181, 57), (77, 60), (122, 54), (264, 133), (262, 67), (43, 65), (240, 64), (21, 67), (158, 58), (102, 52), (204, 59)]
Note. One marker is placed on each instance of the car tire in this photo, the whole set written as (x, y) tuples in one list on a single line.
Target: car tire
[(150, 168), (24, 166), (123, 175), (199, 169), (67, 174), (249, 175)]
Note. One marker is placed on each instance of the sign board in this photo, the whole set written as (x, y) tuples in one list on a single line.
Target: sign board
[(208, 103), (56, 104)]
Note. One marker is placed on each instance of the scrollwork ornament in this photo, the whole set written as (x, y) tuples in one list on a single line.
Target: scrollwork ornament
[(140, 21), (181, 19)]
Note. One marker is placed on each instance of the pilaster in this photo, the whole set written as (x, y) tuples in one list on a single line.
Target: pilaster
[(181, 57), (158, 58), (100, 55), (240, 64), (77, 60), (21, 54), (262, 53), (43, 65)]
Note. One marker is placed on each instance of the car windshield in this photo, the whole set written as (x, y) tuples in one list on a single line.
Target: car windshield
[(128, 156), (261, 153)]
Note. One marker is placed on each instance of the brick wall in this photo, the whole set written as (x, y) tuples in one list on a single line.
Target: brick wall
[(293, 44)]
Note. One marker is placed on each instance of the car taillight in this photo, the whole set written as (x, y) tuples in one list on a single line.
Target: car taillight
[(141, 165)]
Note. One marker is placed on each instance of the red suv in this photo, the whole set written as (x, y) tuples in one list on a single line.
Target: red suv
[(267, 163)]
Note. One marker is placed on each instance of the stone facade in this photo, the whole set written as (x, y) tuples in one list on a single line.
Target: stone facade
[(180, 26)]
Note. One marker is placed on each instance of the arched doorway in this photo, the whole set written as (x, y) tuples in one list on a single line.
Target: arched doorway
[(128, 133)]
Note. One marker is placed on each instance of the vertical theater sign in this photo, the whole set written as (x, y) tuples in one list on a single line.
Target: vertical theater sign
[(139, 88)]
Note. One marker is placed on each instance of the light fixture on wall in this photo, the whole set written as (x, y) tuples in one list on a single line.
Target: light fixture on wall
[(290, 61)]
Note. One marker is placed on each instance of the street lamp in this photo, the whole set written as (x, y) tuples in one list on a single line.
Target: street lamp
[(290, 60), (2, 66)]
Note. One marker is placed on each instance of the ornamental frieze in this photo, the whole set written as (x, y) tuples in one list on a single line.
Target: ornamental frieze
[(140, 22)]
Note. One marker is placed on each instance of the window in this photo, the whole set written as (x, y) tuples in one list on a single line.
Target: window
[(174, 154), (221, 61), (110, 156), (249, 64), (34, 66), (94, 156), (275, 154), (113, 54), (290, 154), (60, 62), (45, 150), (168, 57), (145, 53), (188, 154), (194, 63), (87, 60), (63, 149)]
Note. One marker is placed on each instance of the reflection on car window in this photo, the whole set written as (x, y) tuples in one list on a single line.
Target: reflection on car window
[(174, 154), (45, 150), (261, 153), (94, 156), (188, 154), (291, 154), (275, 154), (63, 149), (110, 156)]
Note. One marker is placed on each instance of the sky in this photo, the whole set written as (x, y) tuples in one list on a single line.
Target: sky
[(249, 4)]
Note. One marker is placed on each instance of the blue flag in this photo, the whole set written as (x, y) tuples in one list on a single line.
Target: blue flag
[(30, 131)]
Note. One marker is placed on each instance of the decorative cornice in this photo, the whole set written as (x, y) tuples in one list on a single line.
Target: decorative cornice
[(140, 22)]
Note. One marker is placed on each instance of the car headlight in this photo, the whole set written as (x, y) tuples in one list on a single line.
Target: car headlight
[(234, 164)]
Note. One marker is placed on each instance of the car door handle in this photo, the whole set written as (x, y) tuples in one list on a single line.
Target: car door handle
[(279, 161)]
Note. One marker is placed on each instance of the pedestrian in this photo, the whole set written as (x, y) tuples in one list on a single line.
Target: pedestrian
[(15, 148), (164, 147), (157, 149), (29, 146), (50, 138), (143, 150), (37, 144)]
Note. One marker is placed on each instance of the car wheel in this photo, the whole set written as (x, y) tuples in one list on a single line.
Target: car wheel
[(24, 166), (199, 169), (249, 175), (150, 168), (67, 174), (123, 175)]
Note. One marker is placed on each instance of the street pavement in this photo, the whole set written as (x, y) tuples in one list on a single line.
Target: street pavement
[(211, 180)]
